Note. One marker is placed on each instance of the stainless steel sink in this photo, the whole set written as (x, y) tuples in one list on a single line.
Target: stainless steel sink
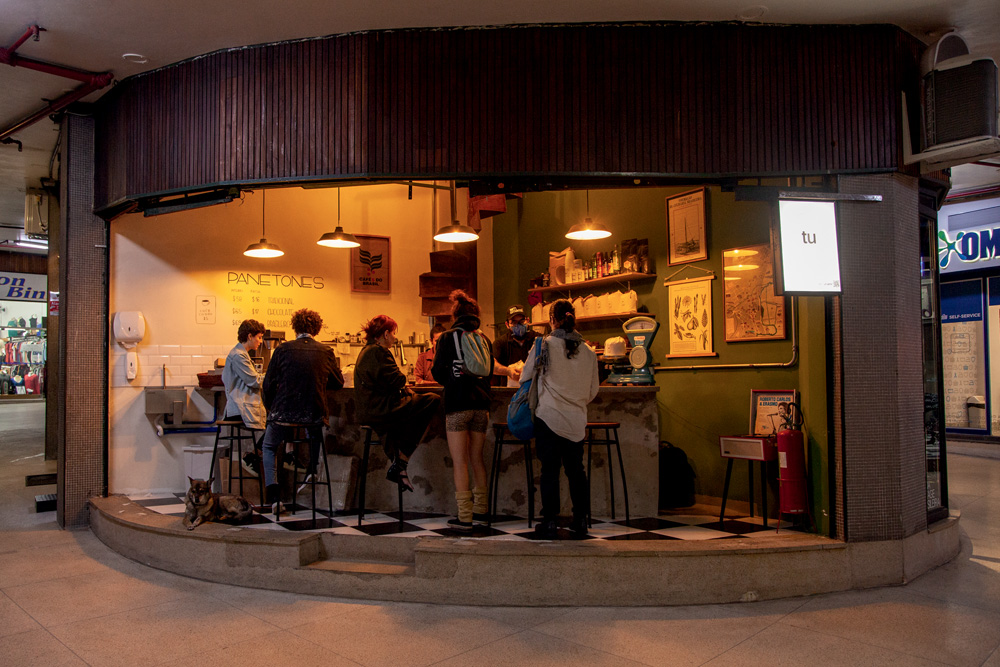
[(166, 400)]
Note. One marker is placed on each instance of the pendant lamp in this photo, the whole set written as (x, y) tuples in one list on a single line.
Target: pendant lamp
[(588, 230), (456, 232), (263, 249), (338, 238)]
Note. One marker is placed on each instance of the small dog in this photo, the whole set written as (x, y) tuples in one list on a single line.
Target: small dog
[(202, 504)]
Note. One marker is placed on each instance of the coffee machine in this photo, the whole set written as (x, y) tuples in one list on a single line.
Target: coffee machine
[(637, 366)]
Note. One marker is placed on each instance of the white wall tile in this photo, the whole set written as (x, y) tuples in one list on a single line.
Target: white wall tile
[(170, 349), (149, 349), (190, 349), (180, 360)]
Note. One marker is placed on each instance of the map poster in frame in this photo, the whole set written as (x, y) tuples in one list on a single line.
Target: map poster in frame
[(687, 239), (753, 311), (771, 408), (370, 265), (689, 320)]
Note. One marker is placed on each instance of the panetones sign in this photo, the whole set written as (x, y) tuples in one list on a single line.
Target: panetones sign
[(23, 286), (968, 246)]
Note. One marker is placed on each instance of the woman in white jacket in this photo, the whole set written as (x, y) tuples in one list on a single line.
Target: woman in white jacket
[(566, 373)]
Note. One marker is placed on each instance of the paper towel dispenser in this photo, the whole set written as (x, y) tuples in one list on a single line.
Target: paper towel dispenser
[(129, 327)]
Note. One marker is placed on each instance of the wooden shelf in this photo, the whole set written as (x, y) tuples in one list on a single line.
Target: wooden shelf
[(615, 316), (607, 280)]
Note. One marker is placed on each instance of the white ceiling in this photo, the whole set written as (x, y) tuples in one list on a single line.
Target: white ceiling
[(94, 34)]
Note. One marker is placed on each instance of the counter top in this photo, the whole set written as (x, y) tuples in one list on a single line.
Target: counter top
[(604, 390)]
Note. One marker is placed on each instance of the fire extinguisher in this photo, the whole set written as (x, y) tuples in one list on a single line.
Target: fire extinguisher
[(792, 496)]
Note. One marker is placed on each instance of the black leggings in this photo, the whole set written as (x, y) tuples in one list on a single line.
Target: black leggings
[(403, 428), (555, 451)]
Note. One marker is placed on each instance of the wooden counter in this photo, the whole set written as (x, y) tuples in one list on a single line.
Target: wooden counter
[(431, 466)]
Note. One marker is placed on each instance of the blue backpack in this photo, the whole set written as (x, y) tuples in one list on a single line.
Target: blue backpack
[(521, 410)]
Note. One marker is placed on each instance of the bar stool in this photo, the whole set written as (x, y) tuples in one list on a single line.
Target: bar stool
[(237, 432), (371, 438), (499, 440), (610, 439), (301, 435)]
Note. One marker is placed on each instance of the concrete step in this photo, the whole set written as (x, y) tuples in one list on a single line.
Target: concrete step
[(373, 567)]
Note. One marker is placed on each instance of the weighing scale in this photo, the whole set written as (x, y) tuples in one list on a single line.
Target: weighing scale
[(637, 367)]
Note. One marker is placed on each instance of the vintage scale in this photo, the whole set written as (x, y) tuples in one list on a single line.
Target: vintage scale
[(637, 367)]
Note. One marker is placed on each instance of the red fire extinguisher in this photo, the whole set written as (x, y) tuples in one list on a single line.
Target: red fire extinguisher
[(792, 496)]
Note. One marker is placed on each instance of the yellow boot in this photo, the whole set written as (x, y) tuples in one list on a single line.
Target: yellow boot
[(480, 506), (463, 522)]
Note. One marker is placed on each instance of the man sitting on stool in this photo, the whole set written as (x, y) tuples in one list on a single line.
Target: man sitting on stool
[(295, 385), (242, 382)]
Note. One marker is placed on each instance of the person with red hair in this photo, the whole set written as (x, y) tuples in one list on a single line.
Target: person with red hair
[(385, 403)]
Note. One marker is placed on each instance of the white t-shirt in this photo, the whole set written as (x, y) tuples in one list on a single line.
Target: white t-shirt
[(566, 388)]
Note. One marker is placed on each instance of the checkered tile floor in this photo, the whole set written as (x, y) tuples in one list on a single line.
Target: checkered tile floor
[(416, 524)]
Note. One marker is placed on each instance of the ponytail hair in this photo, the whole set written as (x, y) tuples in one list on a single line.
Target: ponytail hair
[(564, 316), (463, 305)]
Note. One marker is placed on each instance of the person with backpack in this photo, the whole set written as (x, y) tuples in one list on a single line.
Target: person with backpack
[(463, 365), (566, 374), (385, 403)]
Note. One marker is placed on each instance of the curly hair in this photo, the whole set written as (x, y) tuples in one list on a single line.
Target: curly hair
[(306, 321), (564, 316), (247, 329), (463, 305), (376, 327)]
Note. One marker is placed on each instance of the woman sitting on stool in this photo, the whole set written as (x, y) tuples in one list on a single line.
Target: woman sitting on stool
[(385, 403), (567, 381), (242, 382)]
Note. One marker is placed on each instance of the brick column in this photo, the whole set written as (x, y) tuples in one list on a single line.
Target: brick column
[(83, 329)]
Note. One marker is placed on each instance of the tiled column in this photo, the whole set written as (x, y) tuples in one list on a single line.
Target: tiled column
[(882, 493), (83, 336)]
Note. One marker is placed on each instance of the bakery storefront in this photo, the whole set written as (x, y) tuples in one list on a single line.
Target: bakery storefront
[(687, 279)]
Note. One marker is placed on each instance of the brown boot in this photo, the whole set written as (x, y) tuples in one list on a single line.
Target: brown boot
[(480, 507), (464, 520)]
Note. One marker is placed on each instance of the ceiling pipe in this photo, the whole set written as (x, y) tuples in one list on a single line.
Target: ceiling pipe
[(91, 81)]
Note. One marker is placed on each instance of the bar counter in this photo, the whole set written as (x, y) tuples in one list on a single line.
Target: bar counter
[(431, 466)]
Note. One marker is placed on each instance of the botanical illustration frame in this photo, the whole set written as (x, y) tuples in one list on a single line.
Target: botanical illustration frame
[(371, 264), (689, 318), (687, 236), (766, 409), (753, 310)]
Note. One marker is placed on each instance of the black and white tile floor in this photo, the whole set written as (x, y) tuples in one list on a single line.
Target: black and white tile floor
[(417, 524)]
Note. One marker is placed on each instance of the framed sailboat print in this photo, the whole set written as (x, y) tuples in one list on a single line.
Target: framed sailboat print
[(686, 231)]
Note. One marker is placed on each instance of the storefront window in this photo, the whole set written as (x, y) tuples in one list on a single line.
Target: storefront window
[(932, 365)]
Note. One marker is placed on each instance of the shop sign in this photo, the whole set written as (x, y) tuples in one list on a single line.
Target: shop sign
[(53, 304), (370, 265), (968, 247), (23, 286), (810, 261)]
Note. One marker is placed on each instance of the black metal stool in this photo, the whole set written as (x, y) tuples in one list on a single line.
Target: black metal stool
[(238, 432), (301, 435), (499, 440), (610, 439), (371, 438)]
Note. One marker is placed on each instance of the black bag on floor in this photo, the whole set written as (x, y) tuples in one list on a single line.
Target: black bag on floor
[(676, 477)]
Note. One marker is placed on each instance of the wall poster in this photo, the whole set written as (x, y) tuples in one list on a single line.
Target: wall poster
[(686, 236), (370, 265), (753, 311), (689, 319), (770, 409), (963, 358)]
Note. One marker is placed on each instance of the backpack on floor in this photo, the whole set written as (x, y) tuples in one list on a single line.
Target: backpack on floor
[(473, 353)]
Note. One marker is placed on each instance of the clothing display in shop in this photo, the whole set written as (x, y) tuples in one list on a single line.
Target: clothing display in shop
[(22, 379), (24, 351)]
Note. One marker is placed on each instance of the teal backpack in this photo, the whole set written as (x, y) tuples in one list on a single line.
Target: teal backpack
[(473, 352)]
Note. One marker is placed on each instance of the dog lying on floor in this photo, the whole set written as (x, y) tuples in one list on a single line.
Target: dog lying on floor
[(202, 504)]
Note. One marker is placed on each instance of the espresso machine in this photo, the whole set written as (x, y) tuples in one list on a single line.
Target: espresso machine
[(262, 355), (637, 366)]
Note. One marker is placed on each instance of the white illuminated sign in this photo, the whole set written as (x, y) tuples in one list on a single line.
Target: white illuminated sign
[(810, 263)]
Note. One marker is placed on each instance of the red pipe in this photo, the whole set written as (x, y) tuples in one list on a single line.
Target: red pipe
[(92, 80)]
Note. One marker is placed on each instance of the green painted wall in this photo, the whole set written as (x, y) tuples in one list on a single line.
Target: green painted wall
[(696, 407)]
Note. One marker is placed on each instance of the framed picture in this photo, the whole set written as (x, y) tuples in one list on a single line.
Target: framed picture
[(689, 318), (686, 235), (753, 311), (370, 265), (770, 408)]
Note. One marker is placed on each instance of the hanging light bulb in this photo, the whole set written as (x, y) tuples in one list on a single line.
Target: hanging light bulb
[(588, 230), (456, 232), (338, 238), (263, 249)]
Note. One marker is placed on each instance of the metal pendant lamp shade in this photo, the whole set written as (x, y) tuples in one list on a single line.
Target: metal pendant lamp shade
[(263, 248), (338, 238), (588, 230), (456, 232)]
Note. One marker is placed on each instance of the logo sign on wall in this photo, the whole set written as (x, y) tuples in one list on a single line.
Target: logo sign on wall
[(370, 265), (23, 286), (810, 261)]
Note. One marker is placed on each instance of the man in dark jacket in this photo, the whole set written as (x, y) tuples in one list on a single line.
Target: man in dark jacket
[(294, 391), (511, 348)]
